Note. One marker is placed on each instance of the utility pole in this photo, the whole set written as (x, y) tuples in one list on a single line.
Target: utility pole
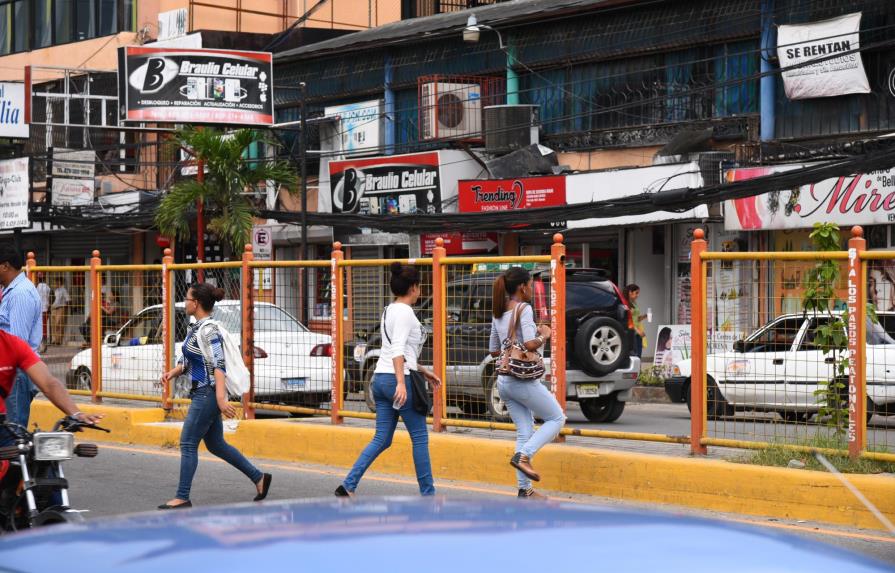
[(200, 222), (303, 167)]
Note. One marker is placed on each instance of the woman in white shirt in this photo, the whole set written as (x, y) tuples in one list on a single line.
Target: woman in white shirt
[(402, 340)]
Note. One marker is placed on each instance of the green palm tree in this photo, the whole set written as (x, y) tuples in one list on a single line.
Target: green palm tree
[(230, 179)]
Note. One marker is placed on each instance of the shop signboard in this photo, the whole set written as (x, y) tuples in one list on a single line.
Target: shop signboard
[(487, 195), (355, 128), (673, 344), (860, 199), (460, 243), (14, 193), (835, 43), (12, 111), (393, 185), (195, 86)]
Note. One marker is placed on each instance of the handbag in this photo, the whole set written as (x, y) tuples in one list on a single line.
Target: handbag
[(515, 360), (422, 401)]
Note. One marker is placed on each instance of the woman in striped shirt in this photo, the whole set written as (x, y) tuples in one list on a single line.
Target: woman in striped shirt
[(208, 398)]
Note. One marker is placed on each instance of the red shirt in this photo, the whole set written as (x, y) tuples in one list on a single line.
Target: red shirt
[(14, 353)]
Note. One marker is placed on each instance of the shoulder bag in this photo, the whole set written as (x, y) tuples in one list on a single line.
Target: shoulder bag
[(514, 359), (422, 401)]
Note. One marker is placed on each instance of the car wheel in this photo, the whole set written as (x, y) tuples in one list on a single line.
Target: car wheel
[(602, 346), (57, 515), (717, 405), (368, 388), (795, 417), (473, 407), (687, 395), (497, 408), (605, 409), (83, 379)]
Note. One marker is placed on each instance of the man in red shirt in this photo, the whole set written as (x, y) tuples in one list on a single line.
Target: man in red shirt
[(15, 353)]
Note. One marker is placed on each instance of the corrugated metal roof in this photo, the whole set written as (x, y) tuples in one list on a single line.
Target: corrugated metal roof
[(417, 29)]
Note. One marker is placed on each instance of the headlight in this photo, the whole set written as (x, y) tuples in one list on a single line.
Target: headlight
[(359, 351), (54, 446)]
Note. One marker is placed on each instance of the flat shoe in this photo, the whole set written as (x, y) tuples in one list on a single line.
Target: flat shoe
[(342, 492), (184, 505), (265, 487)]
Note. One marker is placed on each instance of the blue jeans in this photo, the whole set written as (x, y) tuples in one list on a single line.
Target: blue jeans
[(203, 422), (525, 400), (18, 403), (384, 386), (637, 345)]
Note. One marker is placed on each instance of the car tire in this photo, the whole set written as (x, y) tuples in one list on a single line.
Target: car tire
[(473, 407), (495, 406), (717, 406), (83, 379), (55, 516), (602, 346), (603, 410), (793, 417), (368, 387)]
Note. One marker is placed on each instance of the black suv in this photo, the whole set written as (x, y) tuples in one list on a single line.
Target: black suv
[(597, 344)]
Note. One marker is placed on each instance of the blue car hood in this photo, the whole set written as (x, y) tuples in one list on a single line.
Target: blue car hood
[(416, 535)]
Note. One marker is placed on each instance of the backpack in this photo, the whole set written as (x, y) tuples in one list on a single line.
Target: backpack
[(236, 373), (515, 360)]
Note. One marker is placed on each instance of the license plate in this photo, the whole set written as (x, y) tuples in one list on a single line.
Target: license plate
[(588, 390), (295, 382)]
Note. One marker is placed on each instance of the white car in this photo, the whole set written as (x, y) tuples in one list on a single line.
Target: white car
[(292, 364), (778, 368)]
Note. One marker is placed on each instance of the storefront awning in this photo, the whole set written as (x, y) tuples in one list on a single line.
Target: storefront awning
[(700, 212)]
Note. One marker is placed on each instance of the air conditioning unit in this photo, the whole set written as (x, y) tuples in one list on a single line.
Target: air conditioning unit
[(450, 110), (511, 127)]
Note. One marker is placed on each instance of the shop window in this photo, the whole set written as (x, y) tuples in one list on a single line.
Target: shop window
[(21, 30), (85, 25), (5, 29), (877, 236), (43, 24), (62, 21)]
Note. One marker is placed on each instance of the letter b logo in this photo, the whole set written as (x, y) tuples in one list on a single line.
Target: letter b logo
[(155, 76)]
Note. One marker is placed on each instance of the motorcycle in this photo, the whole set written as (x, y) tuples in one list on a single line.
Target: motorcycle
[(33, 488)]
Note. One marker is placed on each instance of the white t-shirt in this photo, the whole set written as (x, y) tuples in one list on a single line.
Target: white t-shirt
[(60, 297), (405, 337), (43, 289)]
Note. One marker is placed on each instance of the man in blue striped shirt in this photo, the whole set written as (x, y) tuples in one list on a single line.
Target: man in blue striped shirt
[(20, 315)]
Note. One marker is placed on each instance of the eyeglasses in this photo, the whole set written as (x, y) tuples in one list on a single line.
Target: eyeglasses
[(189, 299)]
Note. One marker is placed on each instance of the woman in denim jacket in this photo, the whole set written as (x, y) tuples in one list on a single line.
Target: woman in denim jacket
[(208, 398)]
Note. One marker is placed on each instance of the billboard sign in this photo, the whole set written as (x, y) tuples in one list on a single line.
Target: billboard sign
[(487, 195), (397, 184), (460, 243), (833, 76), (859, 199), (195, 86), (14, 193), (12, 111), (355, 128)]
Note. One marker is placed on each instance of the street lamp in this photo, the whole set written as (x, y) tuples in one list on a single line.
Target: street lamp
[(473, 29), (471, 34)]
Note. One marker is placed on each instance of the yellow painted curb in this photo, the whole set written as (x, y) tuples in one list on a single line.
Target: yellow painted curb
[(707, 484)]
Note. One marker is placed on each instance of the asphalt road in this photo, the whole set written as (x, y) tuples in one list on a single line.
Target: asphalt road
[(126, 479)]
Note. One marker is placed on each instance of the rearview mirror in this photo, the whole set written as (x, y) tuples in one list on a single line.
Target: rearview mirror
[(739, 346), (362, 333), (113, 339)]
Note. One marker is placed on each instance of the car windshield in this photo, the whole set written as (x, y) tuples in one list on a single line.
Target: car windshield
[(268, 318)]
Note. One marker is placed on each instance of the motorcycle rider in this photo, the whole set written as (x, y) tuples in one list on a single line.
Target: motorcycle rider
[(15, 353)]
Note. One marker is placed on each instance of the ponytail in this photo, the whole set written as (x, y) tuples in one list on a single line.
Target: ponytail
[(499, 297)]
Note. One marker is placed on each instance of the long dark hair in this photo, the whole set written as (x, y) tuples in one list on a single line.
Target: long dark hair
[(628, 290), (403, 278), (206, 295), (506, 285)]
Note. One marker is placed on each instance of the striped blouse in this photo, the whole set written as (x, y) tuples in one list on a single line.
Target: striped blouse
[(200, 370)]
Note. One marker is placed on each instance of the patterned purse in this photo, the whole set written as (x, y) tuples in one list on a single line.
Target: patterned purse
[(514, 359)]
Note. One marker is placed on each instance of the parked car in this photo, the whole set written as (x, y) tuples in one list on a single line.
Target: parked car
[(292, 364), (407, 534), (599, 371), (778, 368)]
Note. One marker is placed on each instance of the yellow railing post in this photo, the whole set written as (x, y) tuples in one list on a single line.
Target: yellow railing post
[(248, 329), (439, 349), (558, 322), (167, 324), (96, 328), (337, 326), (698, 339), (857, 349)]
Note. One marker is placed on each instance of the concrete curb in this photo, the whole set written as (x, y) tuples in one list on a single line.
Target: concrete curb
[(706, 484)]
